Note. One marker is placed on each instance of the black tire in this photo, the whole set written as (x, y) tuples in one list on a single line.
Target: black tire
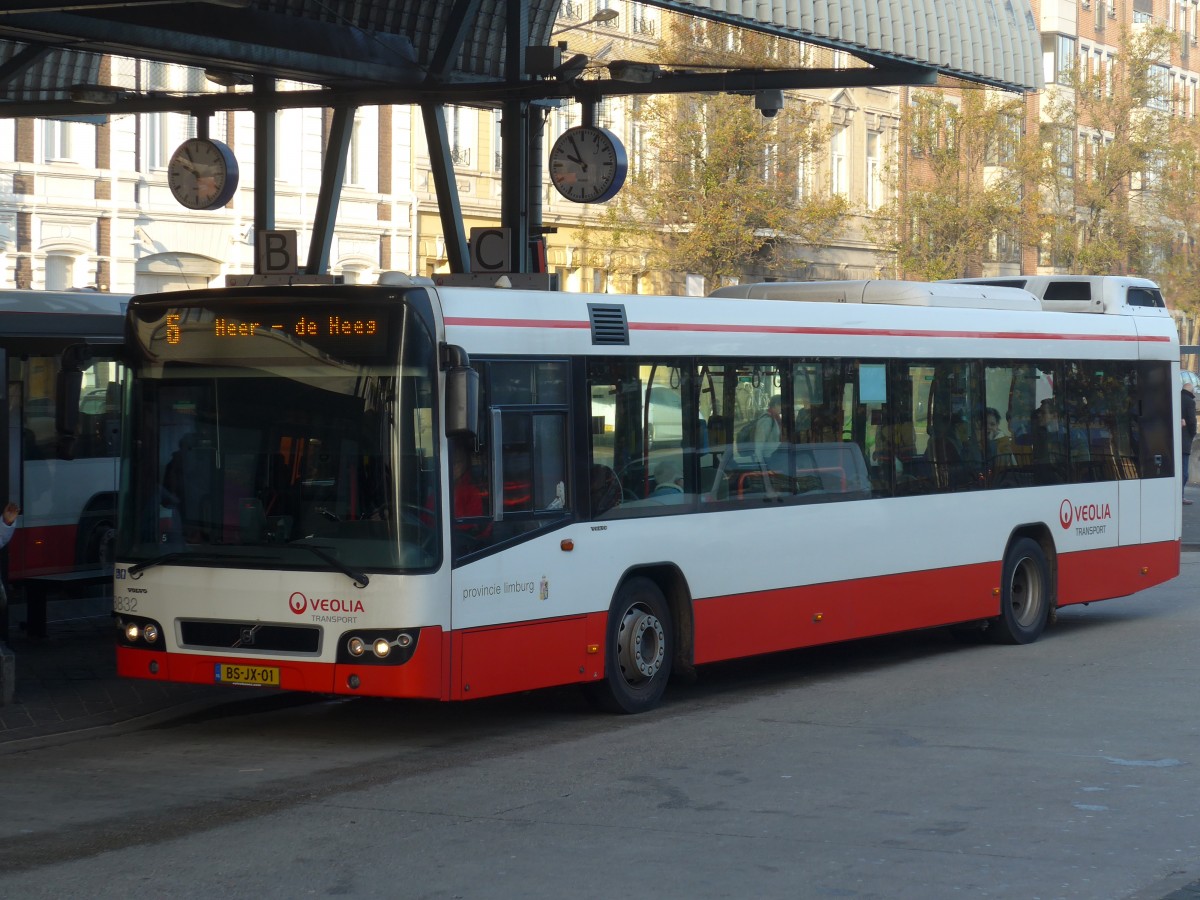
[(1025, 594), (638, 650)]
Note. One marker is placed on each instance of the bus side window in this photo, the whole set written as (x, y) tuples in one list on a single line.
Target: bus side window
[(526, 415)]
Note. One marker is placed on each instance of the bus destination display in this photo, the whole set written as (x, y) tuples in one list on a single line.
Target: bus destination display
[(304, 327), (345, 330)]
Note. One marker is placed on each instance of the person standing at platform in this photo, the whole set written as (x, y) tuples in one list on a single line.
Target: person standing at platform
[(8, 524), (1187, 425)]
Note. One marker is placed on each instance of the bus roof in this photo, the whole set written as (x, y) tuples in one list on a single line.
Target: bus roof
[(900, 293), (499, 321), (84, 315), (1110, 294)]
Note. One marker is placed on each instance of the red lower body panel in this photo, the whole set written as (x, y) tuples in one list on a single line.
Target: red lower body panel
[(423, 676), (1115, 572), (769, 621), (503, 659), (510, 658)]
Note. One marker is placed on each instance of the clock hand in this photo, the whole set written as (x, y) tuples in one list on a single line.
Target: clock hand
[(576, 158)]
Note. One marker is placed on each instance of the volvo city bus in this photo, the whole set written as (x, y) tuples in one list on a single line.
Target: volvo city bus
[(62, 464), (451, 493)]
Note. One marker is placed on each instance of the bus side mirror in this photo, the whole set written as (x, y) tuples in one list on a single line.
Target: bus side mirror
[(67, 390), (462, 402)]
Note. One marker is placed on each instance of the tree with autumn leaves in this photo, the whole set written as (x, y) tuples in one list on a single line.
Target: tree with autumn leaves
[(1105, 179), (719, 189)]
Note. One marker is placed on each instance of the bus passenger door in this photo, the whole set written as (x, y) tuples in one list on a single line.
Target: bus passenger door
[(1160, 492)]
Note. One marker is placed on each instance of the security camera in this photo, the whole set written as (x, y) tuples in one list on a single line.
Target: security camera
[(769, 102)]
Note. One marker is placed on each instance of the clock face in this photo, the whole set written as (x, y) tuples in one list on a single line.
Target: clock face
[(202, 174), (588, 165)]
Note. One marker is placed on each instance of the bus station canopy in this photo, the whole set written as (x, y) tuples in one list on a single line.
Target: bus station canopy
[(460, 51)]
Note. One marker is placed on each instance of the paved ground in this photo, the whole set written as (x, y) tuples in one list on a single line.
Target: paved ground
[(67, 682)]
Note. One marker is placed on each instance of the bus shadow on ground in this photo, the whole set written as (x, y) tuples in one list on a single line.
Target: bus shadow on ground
[(387, 720)]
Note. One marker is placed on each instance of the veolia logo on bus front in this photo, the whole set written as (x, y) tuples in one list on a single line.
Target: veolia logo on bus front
[(300, 604)]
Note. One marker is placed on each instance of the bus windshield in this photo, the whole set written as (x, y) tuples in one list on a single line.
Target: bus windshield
[(291, 451)]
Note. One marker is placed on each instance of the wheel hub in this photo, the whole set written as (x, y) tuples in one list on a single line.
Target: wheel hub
[(641, 645), (1025, 593)]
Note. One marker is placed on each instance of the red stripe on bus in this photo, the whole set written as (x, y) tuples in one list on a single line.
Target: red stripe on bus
[(740, 625), (809, 330)]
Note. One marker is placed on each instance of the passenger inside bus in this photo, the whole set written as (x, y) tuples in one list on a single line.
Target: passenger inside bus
[(668, 479), (605, 489), (768, 429), (469, 495)]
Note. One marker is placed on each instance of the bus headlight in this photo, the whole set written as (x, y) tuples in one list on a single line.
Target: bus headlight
[(377, 646), (136, 631)]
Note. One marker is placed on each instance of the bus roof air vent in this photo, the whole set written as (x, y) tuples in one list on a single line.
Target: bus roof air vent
[(609, 325)]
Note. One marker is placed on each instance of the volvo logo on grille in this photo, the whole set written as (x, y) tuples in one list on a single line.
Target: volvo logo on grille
[(246, 636)]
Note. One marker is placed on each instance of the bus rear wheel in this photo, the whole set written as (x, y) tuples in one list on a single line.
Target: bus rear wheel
[(638, 649), (1024, 594)]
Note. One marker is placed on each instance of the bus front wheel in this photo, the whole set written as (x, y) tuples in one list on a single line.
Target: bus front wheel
[(638, 649), (1025, 594)]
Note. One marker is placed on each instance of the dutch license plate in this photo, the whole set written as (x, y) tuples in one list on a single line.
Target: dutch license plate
[(266, 676)]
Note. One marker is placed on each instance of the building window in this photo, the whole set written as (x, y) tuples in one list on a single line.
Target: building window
[(601, 6), (1003, 149), (60, 272), (61, 141), (804, 175), (157, 150), (497, 141), (770, 162), (1160, 88), (1003, 247), (839, 181), (637, 143), (460, 130), (354, 169), (874, 180), (604, 112), (1058, 56)]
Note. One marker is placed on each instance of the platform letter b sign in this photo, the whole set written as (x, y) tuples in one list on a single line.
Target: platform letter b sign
[(275, 253)]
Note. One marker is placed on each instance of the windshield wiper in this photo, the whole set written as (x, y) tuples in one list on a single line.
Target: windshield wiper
[(137, 569), (360, 579)]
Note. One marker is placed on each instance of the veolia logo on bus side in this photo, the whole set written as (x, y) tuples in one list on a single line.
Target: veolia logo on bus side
[(1068, 513)]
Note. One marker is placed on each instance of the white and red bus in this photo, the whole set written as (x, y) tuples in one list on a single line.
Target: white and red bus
[(452, 493), (61, 465)]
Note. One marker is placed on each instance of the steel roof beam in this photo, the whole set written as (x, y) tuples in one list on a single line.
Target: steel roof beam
[(458, 26), (299, 49), (22, 61), (487, 94), (333, 175)]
